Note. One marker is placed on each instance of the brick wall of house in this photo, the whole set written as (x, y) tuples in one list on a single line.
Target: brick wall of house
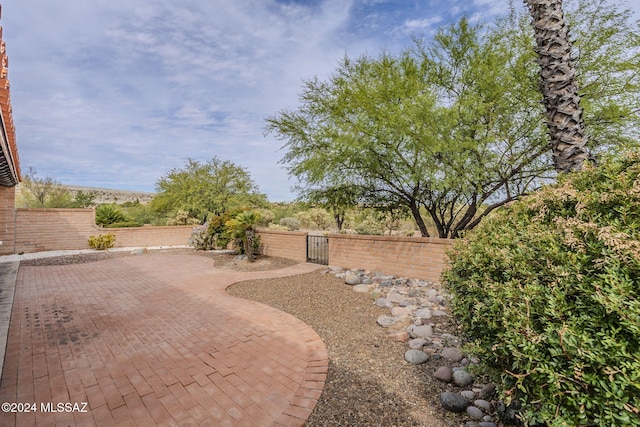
[(285, 244), (66, 229), (7, 219), (415, 257)]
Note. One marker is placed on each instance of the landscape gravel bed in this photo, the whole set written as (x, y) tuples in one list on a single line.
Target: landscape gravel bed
[(368, 383)]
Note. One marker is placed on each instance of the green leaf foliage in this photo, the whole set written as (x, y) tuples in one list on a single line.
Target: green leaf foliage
[(455, 127), (109, 214), (205, 188), (547, 291), (102, 242)]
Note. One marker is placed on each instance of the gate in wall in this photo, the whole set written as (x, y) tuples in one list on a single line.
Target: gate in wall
[(318, 249)]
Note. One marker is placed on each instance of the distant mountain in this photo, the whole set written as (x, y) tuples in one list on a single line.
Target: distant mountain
[(108, 195)]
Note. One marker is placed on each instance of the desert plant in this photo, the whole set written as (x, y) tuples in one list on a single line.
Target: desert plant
[(278, 227), (102, 241), (183, 217), (547, 292), (370, 225), (291, 223), (108, 214), (243, 227), (201, 239)]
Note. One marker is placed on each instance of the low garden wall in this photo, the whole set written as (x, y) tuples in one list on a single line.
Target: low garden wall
[(38, 230), (66, 229), (414, 257), (285, 244)]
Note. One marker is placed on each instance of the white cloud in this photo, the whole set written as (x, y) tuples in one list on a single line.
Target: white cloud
[(117, 92)]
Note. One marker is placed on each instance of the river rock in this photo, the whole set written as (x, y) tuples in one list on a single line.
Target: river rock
[(423, 331), (417, 343), (386, 321), (395, 297), (416, 357), (454, 402), (487, 391), (468, 394), (474, 413), (482, 404), (351, 278), (452, 353), (444, 374), (462, 378), (361, 288), (384, 303), (424, 313)]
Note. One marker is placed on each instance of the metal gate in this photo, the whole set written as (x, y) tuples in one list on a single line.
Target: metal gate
[(318, 249)]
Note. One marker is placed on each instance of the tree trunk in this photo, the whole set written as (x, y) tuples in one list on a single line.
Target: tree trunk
[(249, 240), (558, 85), (415, 211)]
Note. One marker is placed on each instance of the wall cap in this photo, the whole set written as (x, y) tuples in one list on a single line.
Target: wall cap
[(434, 240), (290, 233)]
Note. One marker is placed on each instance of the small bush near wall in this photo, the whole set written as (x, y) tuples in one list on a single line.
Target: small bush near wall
[(102, 242), (547, 290)]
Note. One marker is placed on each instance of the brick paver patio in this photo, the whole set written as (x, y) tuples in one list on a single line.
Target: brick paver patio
[(155, 340)]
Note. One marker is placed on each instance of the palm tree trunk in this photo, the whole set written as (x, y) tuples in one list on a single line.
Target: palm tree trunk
[(249, 240), (558, 85)]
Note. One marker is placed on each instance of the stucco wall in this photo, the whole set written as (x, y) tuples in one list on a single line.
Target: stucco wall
[(285, 244), (7, 219), (415, 257), (64, 229)]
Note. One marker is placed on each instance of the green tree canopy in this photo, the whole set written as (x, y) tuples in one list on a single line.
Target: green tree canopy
[(204, 188), (455, 127)]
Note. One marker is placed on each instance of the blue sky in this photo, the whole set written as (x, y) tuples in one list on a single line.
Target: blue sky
[(115, 93)]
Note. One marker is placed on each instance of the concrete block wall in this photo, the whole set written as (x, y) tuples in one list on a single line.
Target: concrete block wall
[(39, 230), (285, 244), (7, 219), (53, 229), (150, 236), (414, 257)]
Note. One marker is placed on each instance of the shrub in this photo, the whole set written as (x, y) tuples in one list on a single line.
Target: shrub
[(123, 224), (183, 218), (201, 239), (547, 291), (108, 214), (242, 227), (278, 227), (102, 242), (290, 222), (370, 225)]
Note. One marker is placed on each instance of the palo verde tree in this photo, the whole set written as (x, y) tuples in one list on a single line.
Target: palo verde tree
[(455, 127), (204, 188)]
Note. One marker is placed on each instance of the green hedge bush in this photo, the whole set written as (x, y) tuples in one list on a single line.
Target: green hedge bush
[(548, 292), (123, 224)]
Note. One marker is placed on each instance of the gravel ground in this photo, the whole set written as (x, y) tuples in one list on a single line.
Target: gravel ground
[(368, 382)]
